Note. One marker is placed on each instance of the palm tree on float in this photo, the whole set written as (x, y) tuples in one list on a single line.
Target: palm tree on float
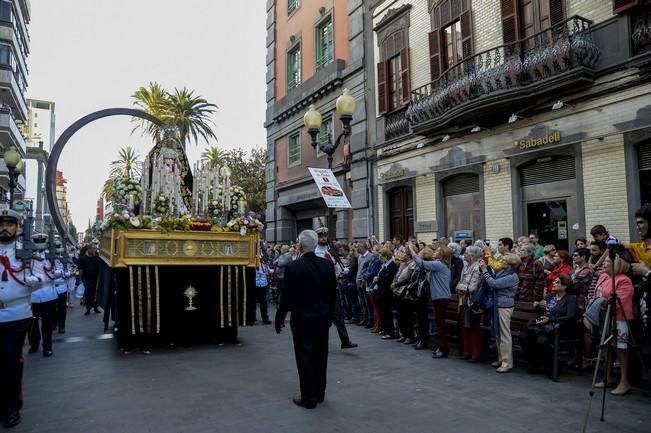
[(127, 165), (213, 156), (190, 114)]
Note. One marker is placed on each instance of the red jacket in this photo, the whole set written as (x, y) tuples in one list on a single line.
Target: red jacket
[(563, 268)]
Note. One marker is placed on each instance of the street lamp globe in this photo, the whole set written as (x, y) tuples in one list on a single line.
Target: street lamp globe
[(20, 167), (11, 157), (346, 104), (312, 118)]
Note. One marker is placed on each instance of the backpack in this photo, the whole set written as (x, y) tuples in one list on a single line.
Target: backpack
[(418, 287)]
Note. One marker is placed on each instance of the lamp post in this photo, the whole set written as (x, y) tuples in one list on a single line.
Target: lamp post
[(15, 165), (345, 107)]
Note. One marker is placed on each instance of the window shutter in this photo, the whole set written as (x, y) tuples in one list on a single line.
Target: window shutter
[(382, 95), (510, 21), (405, 92), (620, 6), (556, 12), (466, 34), (435, 54)]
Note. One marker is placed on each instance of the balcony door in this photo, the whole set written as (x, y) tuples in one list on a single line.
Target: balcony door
[(401, 212)]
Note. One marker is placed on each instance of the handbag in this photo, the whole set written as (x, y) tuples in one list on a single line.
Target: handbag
[(592, 314), (482, 298), (418, 287)]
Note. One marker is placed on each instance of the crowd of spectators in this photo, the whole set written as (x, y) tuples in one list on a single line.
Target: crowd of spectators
[(394, 288)]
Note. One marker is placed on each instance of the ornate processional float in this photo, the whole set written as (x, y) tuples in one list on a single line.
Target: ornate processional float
[(179, 249)]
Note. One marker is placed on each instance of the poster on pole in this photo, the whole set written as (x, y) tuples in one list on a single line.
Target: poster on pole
[(329, 188)]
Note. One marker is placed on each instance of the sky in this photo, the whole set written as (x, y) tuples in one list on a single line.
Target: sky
[(90, 55)]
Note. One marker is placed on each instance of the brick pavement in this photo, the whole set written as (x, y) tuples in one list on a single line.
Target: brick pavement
[(380, 387)]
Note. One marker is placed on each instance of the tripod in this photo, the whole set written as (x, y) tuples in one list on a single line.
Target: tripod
[(608, 342)]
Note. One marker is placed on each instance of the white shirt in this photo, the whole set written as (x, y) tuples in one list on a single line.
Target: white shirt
[(47, 291), (14, 297)]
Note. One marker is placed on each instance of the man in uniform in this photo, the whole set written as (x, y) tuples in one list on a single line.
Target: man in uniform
[(309, 292), (44, 302), (322, 251), (15, 316)]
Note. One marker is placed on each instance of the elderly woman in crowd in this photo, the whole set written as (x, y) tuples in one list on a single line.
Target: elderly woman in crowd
[(623, 311), (404, 306), (468, 284), (383, 280), (439, 281), (561, 266), (504, 284), (559, 307)]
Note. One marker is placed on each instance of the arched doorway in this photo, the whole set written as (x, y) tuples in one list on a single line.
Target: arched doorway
[(401, 211)]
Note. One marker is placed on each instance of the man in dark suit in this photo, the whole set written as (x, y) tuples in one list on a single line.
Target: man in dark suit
[(309, 292)]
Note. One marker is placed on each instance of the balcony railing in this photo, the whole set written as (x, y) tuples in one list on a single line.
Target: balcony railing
[(396, 124), (641, 33), (552, 52)]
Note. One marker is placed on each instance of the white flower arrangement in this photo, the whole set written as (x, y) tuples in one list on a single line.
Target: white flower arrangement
[(124, 188)]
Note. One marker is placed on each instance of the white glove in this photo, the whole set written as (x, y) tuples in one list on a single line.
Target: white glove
[(32, 281)]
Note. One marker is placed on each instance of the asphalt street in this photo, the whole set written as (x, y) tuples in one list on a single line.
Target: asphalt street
[(379, 387)]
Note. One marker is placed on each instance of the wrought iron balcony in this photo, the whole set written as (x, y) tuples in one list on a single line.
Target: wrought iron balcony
[(502, 74), (396, 124), (641, 33)]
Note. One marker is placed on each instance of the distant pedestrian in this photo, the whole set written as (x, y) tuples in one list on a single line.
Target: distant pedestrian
[(89, 267), (309, 292)]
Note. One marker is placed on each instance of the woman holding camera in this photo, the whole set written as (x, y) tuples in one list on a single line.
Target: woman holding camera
[(504, 284), (558, 308)]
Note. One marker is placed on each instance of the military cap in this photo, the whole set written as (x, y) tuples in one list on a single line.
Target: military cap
[(9, 215), (321, 231)]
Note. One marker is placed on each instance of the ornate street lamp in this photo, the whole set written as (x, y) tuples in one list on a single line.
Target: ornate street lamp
[(345, 107), (15, 165)]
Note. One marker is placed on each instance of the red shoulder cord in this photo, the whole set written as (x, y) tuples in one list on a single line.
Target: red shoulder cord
[(47, 271), (4, 261)]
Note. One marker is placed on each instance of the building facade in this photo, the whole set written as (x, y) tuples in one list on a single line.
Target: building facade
[(62, 198), (507, 117), (14, 50), (315, 49), (41, 134)]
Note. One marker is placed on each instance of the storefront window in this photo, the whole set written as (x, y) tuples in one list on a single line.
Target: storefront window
[(463, 212), (462, 204)]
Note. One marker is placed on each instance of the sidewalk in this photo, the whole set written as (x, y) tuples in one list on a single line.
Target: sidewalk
[(379, 387)]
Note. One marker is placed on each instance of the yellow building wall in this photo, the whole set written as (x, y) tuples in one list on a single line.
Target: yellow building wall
[(487, 24), (594, 10), (498, 203), (604, 186), (425, 203)]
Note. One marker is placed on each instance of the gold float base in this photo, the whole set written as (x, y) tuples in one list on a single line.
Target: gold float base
[(123, 248)]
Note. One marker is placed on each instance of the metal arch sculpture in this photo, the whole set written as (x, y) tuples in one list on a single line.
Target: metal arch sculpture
[(53, 160)]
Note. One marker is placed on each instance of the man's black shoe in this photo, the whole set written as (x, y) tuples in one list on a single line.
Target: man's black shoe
[(438, 354), (266, 322), (47, 353), (32, 349), (12, 419), (361, 323), (420, 346), (369, 325), (87, 313), (348, 345), (97, 311), (303, 403)]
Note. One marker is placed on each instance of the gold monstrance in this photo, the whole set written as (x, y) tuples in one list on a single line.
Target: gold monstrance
[(190, 293)]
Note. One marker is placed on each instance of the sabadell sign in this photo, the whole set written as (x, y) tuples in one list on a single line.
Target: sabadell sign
[(528, 143)]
